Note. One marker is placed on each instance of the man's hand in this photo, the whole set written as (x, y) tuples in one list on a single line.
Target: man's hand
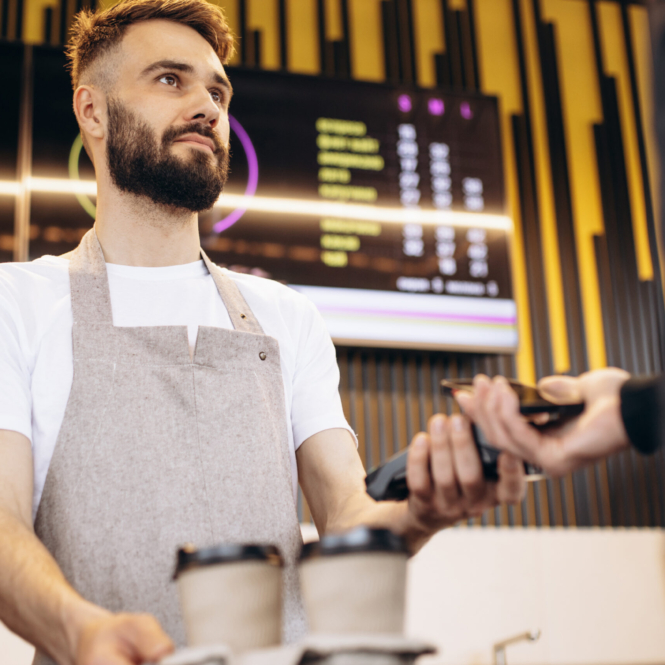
[(595, 434), (122, 639), (445, 476)]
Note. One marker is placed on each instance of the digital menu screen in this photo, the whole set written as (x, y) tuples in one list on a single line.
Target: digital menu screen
[(426, 261), (383, 205)]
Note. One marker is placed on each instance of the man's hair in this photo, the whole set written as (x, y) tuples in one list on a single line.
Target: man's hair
[(95, 33)]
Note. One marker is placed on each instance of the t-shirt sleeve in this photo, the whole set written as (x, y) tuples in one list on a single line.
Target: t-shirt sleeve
[(643, 412), (316, 404), (15, 395)]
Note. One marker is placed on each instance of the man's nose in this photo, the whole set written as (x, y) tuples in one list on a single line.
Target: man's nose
[(203, 108)]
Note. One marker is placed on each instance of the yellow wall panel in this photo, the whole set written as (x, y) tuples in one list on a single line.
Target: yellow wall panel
[(263, 15), (614, 56), (333, 19), (581, 109), (33, 19), (428, 26), (550, 240), (639, 25), (500, 76), (303, 42), (367, 61)]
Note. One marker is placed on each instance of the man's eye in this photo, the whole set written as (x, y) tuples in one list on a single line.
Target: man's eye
[(217, 96), (168, 79)]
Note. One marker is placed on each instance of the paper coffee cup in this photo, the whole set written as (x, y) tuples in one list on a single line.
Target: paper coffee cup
[(355, 582), (232, 595)]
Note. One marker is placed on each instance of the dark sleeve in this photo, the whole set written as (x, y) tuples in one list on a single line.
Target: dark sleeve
[(642, 400)]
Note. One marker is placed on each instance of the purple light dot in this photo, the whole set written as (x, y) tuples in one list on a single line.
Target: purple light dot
[(436, 106), (465, 111), (404, 103)]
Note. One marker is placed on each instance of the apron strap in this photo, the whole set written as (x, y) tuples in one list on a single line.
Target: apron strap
[(241, 315), (91, 298)]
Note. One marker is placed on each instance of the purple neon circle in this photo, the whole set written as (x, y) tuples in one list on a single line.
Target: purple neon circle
[(252, 178)]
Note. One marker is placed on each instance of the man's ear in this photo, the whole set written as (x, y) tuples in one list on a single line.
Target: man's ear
[(90, 111)]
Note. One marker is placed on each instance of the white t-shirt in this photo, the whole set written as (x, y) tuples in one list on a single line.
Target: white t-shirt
[(36, 365)]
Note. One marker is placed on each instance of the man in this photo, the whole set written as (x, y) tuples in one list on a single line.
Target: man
[(149, 398), (620, 411)]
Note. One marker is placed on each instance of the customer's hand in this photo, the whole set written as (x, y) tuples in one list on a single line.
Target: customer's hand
[(122, 639), (445, 476), (595, 434)]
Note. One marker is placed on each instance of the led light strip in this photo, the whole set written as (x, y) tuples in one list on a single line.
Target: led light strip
[(274, 205)]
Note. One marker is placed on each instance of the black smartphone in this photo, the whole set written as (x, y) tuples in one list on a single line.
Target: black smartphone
[(531, 401), (388, 480)]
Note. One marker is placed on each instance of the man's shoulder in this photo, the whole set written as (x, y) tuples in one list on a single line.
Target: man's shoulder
[(44, 279)]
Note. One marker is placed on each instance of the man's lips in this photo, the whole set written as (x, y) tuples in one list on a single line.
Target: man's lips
[(198, 141)]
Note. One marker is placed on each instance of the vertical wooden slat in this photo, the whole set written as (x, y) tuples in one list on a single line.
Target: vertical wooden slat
[(529, 507), (659, 467), (590, 478), (283, 36), (475, 68), (411, 396), (568, 501), (543, 503), (244, 46), (323, 46), (425, 388), (370, 389), (437, 374), (603, 493), (400, 432), (4, 19), (392, 56), (357, 403), (386, 407)]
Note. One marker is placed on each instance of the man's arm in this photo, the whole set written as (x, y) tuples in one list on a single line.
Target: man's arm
[(444, 476), (37, 603)]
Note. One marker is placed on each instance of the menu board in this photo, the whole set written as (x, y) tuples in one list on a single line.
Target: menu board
[(436, 278), (383, 205)]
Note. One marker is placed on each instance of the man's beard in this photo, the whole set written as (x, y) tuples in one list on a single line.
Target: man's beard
[(139, 165)]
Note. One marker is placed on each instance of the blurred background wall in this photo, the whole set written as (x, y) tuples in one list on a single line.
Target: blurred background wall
[(572, 79)]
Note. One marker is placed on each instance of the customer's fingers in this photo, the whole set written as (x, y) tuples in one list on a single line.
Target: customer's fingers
[(417, 467), (441, 462), (468, 468), (561, 389), (511, 487)]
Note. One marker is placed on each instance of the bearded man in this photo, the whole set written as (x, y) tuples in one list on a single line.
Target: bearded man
[(149, 398)]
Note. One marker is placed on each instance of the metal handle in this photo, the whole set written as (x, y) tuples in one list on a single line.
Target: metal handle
[(500, 647)]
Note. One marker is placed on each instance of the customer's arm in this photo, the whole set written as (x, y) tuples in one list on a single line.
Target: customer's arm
[(618, 411), (643, 413), (444, 475), (36, 601)]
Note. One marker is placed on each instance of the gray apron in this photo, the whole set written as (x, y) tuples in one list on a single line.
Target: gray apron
[(158, 449)]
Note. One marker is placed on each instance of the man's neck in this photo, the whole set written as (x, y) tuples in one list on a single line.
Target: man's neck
[(136, 232)]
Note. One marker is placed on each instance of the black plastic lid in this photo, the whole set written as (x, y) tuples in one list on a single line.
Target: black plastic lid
[(189, 557), (360, 539)]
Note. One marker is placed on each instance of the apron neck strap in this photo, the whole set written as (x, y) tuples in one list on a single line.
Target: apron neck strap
[(241, 315), (91, 297)]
